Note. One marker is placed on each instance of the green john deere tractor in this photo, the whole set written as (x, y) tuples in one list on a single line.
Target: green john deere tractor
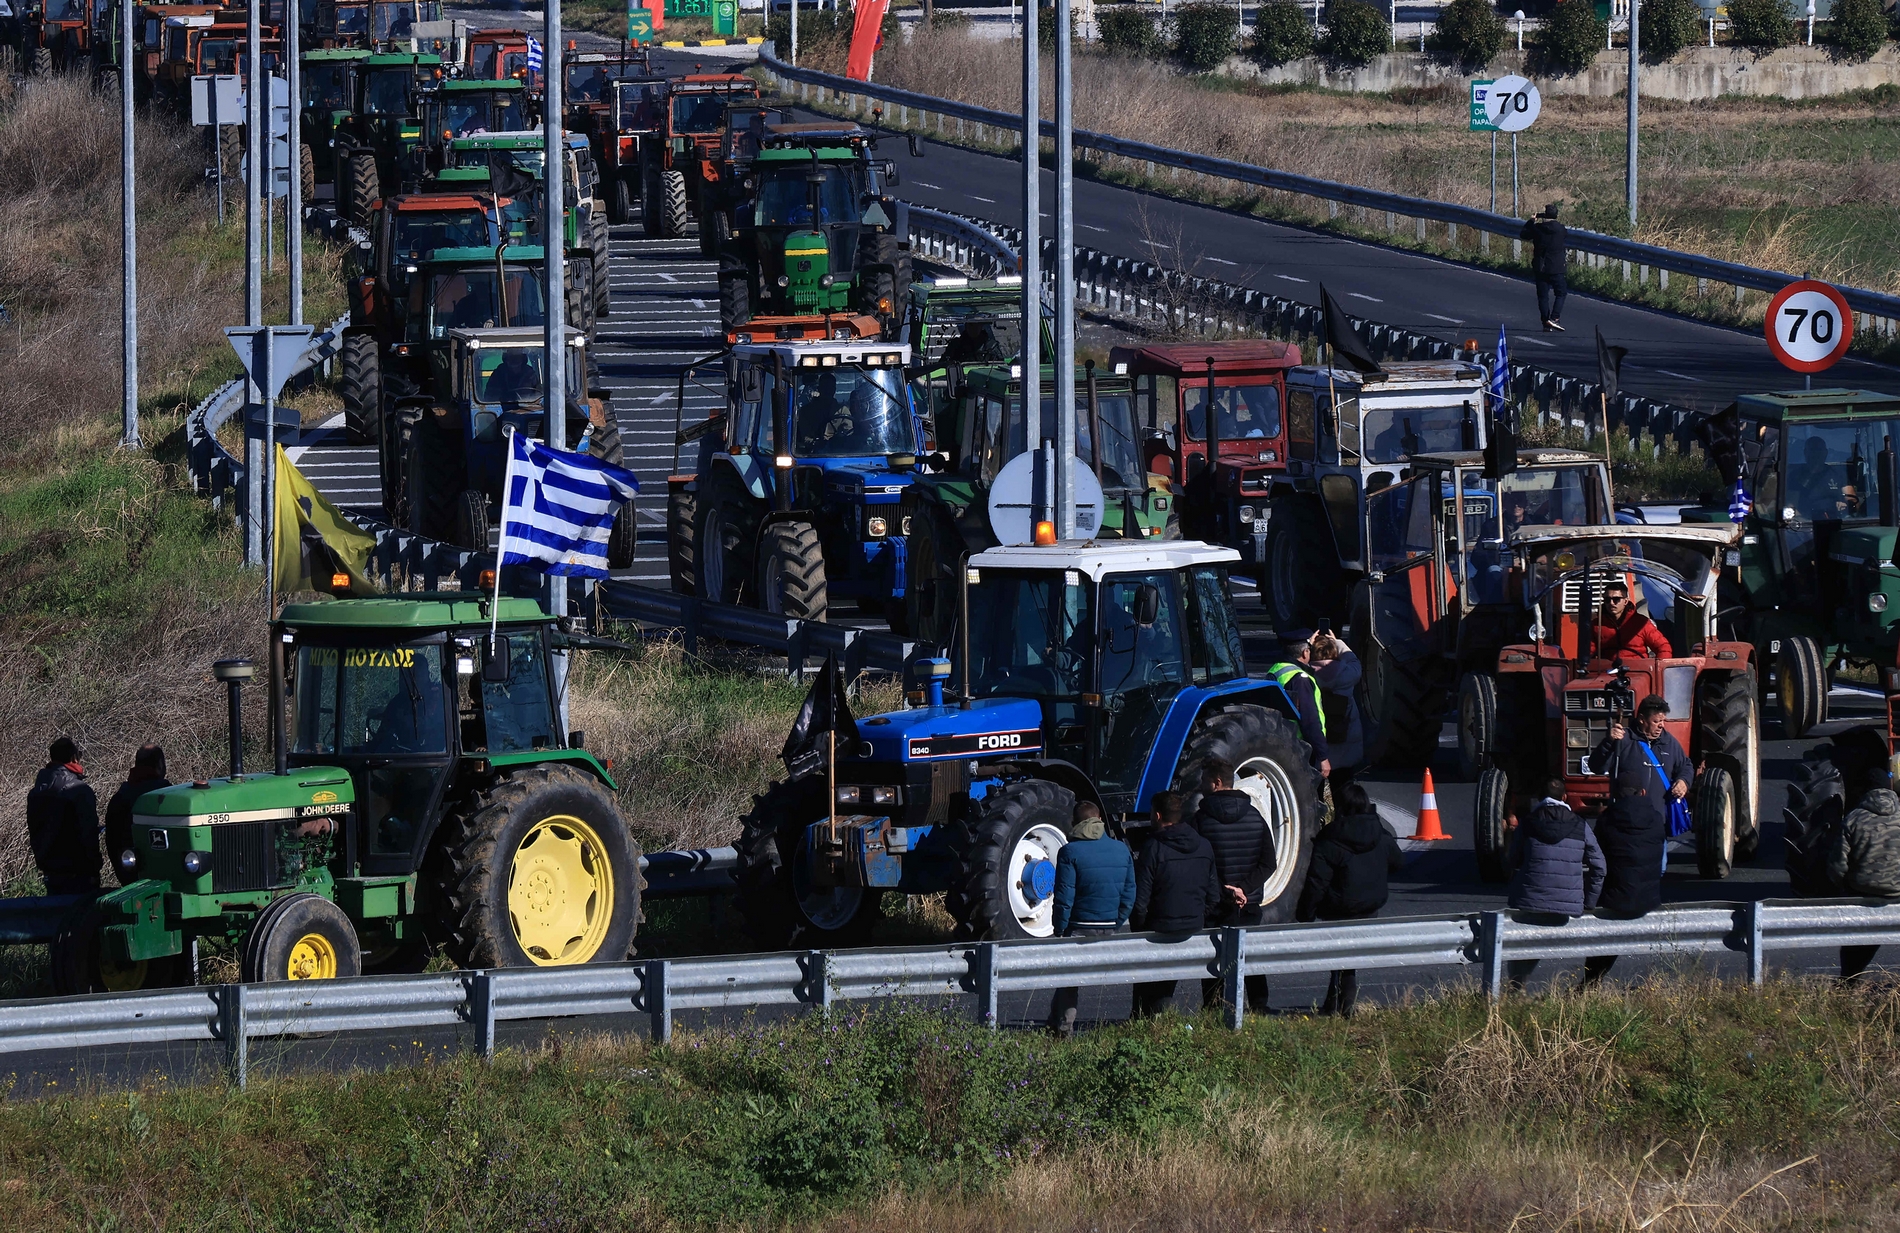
[(425, 795), (373, 144)]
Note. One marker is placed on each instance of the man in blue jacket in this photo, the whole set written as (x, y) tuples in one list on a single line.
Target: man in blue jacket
[(1095, 890)]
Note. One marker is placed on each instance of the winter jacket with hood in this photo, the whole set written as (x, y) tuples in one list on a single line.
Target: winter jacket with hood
[(1633, 830), (1243, 846), (1177, 886), (1864, 854), (1095, 879), (1556, 862), (1550, 244), (1353, 858), (62, 823)]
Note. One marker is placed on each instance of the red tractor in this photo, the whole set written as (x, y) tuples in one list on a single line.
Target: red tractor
[(496, 55), (1551, 700), (682, 168)]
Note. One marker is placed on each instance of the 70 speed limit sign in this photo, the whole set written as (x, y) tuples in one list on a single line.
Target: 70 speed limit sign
[(1808, 325), (1512, 104)]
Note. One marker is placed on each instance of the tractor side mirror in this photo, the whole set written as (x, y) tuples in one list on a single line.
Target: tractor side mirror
[(751, 385), (495, 667), (1147, 604), (916, 146)]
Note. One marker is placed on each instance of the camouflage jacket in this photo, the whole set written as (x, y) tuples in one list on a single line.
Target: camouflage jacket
[(1864, 855)]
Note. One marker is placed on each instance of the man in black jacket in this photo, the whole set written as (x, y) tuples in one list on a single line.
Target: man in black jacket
[(62, 823), (1354, 857), (1549, 249), (147, 775), (1647, 769), (1244, 856), (1177, 887)]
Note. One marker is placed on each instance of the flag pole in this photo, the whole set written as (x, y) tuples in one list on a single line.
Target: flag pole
[(501, 538), (1609, 460)]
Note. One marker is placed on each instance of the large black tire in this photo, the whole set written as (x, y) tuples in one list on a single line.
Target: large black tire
[(877, 296), (579, 291), (1801, 683), (735, 299), (772, 871), (506, 900), (601, 241), (1302, 581), (652, 217), (436, 478), (360, 383), (79, 967), (1728, 713), (623, 539), (1713, 809), (604, 440), (1477, 723), (1522, 750), (681, 546), (1274, 766), (1405, 704), (884, 279), (307, 174), (42, 61), (620, 205), (1490, 825), (727, 535), (1005, 880), (363, 186), (675, 216), (934, 551), (471, 520), (301, 937), (791, 577)]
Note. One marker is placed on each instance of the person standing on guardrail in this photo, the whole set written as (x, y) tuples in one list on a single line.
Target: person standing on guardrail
[(1557, 869), (1095, 892), (147, 775), (1349, 878), (1177, 887), (1244, 855), (62, 823), (1648, 770), (1549, 250)]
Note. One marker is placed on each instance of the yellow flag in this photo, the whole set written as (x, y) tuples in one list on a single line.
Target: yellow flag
[(314, 541)]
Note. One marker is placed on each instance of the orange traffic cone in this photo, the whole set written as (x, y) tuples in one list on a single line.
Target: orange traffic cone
[(1429, 827)]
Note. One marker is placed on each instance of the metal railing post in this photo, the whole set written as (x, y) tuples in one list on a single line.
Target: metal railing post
[(481, 997), (1755, 944), (817, 965), (983, 960), (659, 1005), (237, 1033), (1233, 961), (1491, 953)]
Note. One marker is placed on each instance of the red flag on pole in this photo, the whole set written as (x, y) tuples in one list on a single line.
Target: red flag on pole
[(866, 34)]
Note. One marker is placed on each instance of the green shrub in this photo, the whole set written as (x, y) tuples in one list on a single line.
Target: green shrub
[(1471, 32), (1860, 27), (1280, 33), (1665, 27), (1206, 32), (1127, 30), (1762, 24), (1572, 36), (1355, 33)]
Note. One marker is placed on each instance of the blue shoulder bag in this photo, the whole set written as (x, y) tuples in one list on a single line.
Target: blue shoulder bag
[(1679, 823)]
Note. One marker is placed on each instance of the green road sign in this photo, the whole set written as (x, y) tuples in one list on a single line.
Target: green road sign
[(1480, 117), (725, 18), (690, 8), (639, 24)]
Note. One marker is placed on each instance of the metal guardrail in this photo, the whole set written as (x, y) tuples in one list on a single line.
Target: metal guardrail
[(797, 640), (214, 468), (659, 989), (962, 242), (1873, 304)]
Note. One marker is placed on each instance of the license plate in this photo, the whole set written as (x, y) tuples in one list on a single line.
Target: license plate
[(1260, 526)]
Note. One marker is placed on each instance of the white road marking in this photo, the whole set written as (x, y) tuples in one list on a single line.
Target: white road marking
[(1679, 376), (1372, 298), (928, 184), (1224, 261), (1452, 320), (991, 200), (1290, 278)]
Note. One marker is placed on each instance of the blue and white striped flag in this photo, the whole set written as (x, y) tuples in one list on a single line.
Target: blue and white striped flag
[(558, 509), (534, 54), (1740, 503), (1500, 375)]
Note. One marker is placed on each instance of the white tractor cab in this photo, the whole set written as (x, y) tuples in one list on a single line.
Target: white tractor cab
[(1350, 434)]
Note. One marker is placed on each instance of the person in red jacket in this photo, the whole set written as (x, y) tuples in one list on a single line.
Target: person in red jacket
[(1625, 632)]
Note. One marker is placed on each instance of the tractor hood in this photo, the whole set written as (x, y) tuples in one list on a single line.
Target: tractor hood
[(991, 726), (306, 790), (849, 480), (1871, 546)]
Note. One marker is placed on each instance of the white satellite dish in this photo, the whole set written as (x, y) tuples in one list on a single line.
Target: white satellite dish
[(1012, 494)]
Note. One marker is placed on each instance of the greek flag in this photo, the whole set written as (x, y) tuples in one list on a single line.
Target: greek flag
[(1740, 503), (1500, 375), (534, 54), (559, 509)]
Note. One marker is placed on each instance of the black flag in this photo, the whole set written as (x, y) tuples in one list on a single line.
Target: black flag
[(1342, 338), (1610, 368), (825, 710)]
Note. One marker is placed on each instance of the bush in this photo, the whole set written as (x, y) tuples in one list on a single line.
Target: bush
[(1572, 36), (1206, 32), (1860, 27), (1665, 27), (1355, 33), (1127, 30), (1280, 33), (1471, 32), (1762, 24)]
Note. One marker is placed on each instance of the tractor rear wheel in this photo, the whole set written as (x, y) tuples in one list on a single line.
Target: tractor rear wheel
[(887, 288), (1728, 713), (727, 538), (360, 383), (42, 61), (1006, 879), (1490, 829), (579, 290), (601, 242), (436, 477), (681, 548), (363, 184), (301, 937), (674, 215), (623, 539), (651, 217), (471, 520), (1274, 767), (935, 547), (1302, 579), (1801, 682), (79, 965), (307, 174), (1714, 814), (792, 571), (1477, 723), (735, 299), (780, 906), (1403, 703), (541, 873)]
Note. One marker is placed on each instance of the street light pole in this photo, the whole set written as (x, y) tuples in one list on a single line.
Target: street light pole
[(554, 247), (1065, 280), (1032, 231), (1629, 173), (256, 108), (128, 238), (293, 209)]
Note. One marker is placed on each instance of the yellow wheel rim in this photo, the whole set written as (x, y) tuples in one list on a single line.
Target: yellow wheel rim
[(312, 957), (560, 892), (122, 977)]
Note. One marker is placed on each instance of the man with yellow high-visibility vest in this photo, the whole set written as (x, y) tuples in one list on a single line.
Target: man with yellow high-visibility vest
[(1293, 675)]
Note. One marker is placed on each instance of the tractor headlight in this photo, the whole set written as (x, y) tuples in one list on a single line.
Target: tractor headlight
[(128, 861), (849, 796), (1246, 513), (784, 281), (882, 796), (825, 280), (197, 863), (879, 529), (1876, 602), (903, 527)]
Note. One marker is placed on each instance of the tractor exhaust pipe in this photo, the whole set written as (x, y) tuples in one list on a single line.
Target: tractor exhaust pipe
[(234, 672), (279, 751)]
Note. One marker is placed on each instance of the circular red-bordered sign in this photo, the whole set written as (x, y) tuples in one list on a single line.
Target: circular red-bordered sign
[(1809, 325)]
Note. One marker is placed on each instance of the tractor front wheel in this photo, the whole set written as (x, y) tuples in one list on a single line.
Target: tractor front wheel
[(1801, 683), (735, 299), (307, 174), (621, 202), (80, 966), (360, 383), (542, 873), (792, 571), (675, 217), (1477, 723), (301, 937), (1303, 580), (1490, 831), (681, 548), (1403, 702), (930, 585), (623, 539), (1274, 767), (1006, 880), (364, 186), (780, 904), (1728, 712), (727, 541), (1714, 814)]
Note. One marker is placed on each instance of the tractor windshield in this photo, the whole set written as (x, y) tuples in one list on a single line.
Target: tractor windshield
[(1121, 461), (499, 112), (785, 198), (362, 700), (352, 19), (64, 10), (637, 108), (1246, 411), (587, 83), (1559, 497), (1394, 433), (418, 235), (1833, 469), (1030, 634), (395, 21), (510, 377), (466, 299), (326, 86), (386, 92), (481, 60), (514, 63), (221, 56), (699, 113), (851, 412)]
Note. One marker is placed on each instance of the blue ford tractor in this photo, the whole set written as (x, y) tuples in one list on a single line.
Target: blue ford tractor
[(1101, 672)]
